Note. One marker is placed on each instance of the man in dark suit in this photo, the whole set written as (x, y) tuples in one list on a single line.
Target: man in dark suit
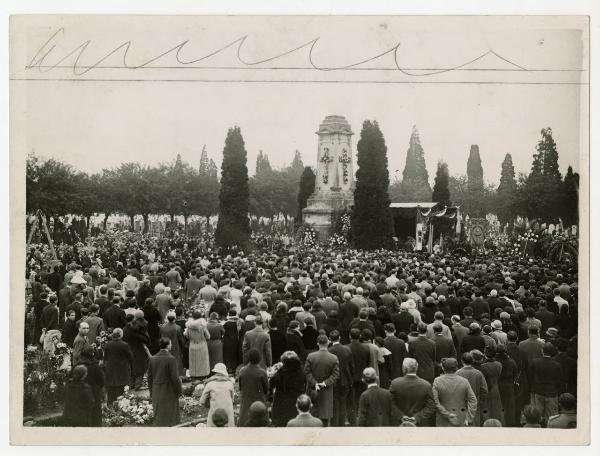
[(343, 387), (322, 370), (403, 320), (375, 404), (412, 396), (278, 341), (304, 418), (478, 305), (545, 317), (118, 359), (258, 338), (397, 347), (348, 312), (361, 357), (547, 383), (49, 318), (444, 347), (423, 350), (65, 297), (164, 385), (114, 316), (569, 366), (102, 301)]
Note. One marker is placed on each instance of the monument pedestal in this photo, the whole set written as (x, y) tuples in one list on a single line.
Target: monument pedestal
[(320, 208)]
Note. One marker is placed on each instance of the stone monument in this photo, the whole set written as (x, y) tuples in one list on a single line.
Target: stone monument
[(334, 184)]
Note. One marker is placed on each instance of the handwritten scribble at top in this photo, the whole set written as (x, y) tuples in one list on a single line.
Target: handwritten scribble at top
[(49, 56)]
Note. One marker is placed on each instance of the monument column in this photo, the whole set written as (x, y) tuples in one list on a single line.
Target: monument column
[(334, 187)]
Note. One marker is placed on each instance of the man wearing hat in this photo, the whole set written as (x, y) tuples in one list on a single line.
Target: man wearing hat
[(478, 384), (322, 370), (455, 401), (375, 404), (497, 333)]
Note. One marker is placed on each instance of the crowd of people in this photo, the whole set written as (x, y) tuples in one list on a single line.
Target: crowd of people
[(314, 338)]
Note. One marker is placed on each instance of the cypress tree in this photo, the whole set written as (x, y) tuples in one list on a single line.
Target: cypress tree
[(203, 161), (307, 187), (506, 194), (263, 165), (571, 198), (542, 192), (474, 170), (441, 192), (371, 218), (415, 179), (233, 227)]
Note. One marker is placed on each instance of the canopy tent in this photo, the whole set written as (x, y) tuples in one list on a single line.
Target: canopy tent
[(411, 219)]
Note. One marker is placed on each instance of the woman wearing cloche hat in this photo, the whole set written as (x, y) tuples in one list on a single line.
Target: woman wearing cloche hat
[(218, 394)]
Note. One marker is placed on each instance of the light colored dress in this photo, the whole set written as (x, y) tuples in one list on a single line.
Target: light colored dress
[(196, 332), (218, 393)]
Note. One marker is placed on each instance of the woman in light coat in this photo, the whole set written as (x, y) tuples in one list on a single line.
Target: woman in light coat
[(197, 333), (218, 394)]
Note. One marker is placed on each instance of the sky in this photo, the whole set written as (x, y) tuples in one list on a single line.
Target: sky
[(94, 122)]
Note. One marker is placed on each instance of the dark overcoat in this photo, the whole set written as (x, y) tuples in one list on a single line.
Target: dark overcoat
[(375, 407), (322, 367), (79, 403), (254, 386), (118, 360), (173, 331), (137, 337), (165, 388)]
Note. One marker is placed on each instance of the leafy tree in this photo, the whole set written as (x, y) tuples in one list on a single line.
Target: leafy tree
[(233, 227), (471, 204), (50, 187), (415, 179), (441, 191), (307, 188), (507, 191), (371, 218), (132, 190)]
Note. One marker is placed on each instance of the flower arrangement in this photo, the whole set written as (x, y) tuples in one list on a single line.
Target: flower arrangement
[(190, 405), (45, 375), (309, 237), (272, 370), (129, 410), (336, 241)]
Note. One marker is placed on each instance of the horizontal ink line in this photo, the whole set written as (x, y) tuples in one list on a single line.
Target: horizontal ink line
[(299, 81), (108, 67)]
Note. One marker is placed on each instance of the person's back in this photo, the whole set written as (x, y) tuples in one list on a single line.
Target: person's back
[(304, 418), (375, 404), (423, 350)]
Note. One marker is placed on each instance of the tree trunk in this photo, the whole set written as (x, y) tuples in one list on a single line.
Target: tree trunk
[(105, 221), (132, 226), (207, 225), (185, 224), (172, 218), (146, 218)]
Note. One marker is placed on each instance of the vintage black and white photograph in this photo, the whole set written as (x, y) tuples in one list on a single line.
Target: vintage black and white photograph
[(300, 221)]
